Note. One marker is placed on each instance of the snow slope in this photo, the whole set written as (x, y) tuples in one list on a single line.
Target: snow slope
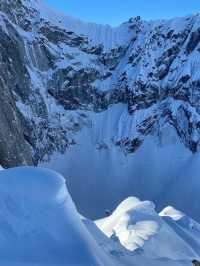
[(137, 226), (115, 110), (159, 171), (97, 34), (39, 226)]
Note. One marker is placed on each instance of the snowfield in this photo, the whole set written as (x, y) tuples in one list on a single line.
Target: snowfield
[(40, 226), (159, 171), (116, 112)]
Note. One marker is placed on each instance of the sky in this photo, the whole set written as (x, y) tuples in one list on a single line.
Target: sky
[(114, 12)]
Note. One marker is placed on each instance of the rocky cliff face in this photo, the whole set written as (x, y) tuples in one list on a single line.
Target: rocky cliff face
[(49, 69), (58, 74)]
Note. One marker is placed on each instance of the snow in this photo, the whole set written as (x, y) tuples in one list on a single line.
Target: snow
[(172, 212), (109, 37), (184, 226), (2, 22), (39, 224), (137, 226), (36, 211), (159, 171)]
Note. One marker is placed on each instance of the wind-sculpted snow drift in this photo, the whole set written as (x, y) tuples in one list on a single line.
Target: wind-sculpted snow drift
[(120, 104), (136, 225), (39, 226)]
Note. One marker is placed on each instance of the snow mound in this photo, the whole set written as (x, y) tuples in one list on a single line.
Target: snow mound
[(136, 225), (184, 226), (39, 224), (173, 213), (182, 220), (34, 184)]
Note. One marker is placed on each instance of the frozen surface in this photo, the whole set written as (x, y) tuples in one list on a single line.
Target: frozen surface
[(97, 170), (109, 37), (99, 173), (137, 226), (159, 171), (39, 224)]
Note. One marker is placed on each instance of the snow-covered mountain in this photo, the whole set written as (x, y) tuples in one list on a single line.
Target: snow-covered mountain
[(116, 110), (40, 226)]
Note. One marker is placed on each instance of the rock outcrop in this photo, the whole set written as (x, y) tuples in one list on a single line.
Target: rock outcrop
[(56, 70)]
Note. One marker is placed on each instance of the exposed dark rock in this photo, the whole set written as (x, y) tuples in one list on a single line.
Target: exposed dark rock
[(53, 77), (193, 40)]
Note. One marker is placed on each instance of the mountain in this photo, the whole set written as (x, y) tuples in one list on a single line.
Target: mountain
[(115, 110), (40, 226)]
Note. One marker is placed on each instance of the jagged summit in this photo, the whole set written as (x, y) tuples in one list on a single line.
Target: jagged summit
[(97, 34)]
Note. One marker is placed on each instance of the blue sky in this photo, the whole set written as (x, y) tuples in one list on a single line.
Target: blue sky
[(115, 12)]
